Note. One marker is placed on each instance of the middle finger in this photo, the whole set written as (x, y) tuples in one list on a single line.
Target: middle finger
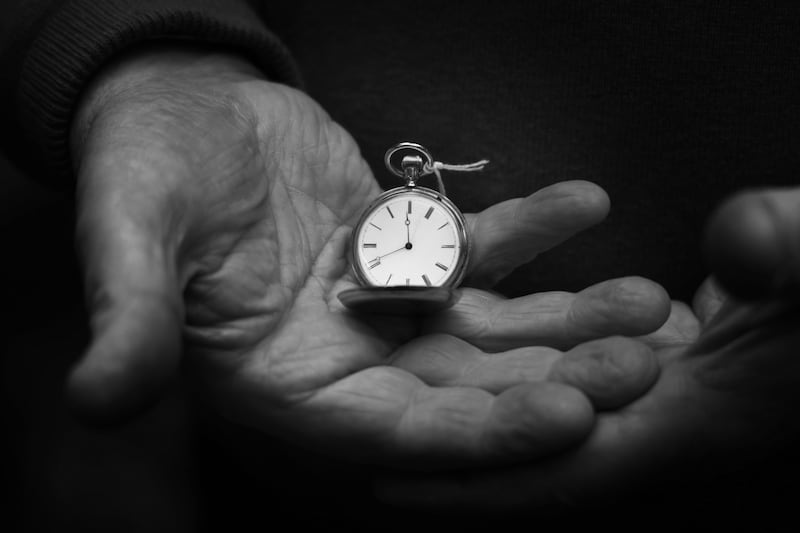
[(629, 306)]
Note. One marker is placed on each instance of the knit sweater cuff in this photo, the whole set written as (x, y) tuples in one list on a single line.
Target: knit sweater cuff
[(83, 34)]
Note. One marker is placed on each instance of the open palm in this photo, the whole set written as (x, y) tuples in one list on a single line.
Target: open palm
[(215, 212), (725, 400)]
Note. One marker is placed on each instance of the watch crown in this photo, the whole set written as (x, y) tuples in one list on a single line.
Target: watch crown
[(412, 168)]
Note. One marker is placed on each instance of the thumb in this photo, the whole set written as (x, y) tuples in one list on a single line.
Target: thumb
[(752, 244), (134, 302)]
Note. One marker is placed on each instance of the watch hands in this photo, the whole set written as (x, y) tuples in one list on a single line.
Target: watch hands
[(404, 247)]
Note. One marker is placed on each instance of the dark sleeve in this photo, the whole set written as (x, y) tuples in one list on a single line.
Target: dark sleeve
[(51, 49)]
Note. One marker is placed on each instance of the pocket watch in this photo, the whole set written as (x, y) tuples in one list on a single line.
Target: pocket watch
[(410, 248)]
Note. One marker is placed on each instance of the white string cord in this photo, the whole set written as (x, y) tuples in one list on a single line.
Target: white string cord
[(438, 166)]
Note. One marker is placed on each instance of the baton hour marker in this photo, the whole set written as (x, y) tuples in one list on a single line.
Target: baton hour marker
[(426, 280), (443, 225), (390, 211), (409, 207), (428, 214), (370, 245), (374, 226), (441, 266), (448, 246)]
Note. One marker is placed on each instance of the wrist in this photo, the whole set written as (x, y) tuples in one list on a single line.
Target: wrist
[(153, 70)]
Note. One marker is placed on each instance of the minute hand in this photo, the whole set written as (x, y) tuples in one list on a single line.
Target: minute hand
[(390, 253)]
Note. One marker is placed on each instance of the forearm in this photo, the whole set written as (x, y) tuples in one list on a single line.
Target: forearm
[(51, 61), (140, 79)]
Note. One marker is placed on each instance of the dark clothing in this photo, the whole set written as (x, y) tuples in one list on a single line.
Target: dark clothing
[(668, 107), (67, 42)]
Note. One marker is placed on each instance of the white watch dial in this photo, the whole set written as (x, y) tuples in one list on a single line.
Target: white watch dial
[(410, 239)]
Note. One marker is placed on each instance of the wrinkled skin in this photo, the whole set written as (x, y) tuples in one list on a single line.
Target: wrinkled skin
[(214, 211), (725, 399)]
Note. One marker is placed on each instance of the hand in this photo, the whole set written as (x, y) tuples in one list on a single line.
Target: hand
[(404, 247), (408, 232), (726, 394), (214, 213)]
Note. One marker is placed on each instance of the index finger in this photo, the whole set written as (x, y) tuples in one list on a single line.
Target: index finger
[(512, 233)]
